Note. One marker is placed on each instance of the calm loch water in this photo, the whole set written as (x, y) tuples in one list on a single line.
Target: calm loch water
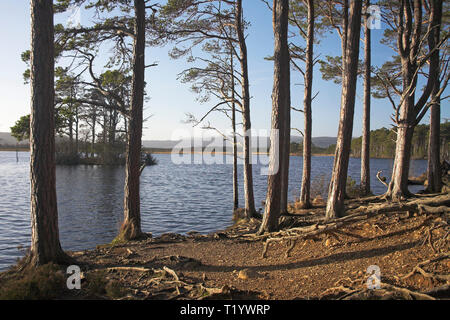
[(174, 198)]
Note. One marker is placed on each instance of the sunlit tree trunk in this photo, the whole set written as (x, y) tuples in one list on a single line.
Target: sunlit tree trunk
[(248, 174), (94, 121), (286, 150), (344, 37), (234, 141), (305, 195), (281, 102), (336, 194), (409, 44), (45, 245), (131, 228), (365, 148), (434, 148), (434, 176)]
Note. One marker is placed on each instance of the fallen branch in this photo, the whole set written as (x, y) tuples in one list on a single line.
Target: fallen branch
[(135, 269), (172, 273)]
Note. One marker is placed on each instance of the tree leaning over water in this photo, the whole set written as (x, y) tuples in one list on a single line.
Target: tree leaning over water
[(45, 244)]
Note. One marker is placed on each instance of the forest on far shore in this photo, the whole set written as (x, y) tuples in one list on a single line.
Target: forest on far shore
[(382, 144)]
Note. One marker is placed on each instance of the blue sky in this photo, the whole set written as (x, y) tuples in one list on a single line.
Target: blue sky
[(170, 99)]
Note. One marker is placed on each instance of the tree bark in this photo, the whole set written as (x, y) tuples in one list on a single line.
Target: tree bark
[(305, 195), (94, 121), (434, 176), (434, 147), (248, 173), (233, 124), (336, 194), (45, 245), (131, 228), (280, 103), (365, 148), (286, 149), (410, 111), (344, 37)]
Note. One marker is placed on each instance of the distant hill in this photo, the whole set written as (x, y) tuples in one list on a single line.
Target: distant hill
[(6, 139), (323, 142)]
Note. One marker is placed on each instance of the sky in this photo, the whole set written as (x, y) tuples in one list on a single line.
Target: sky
[(170, 100)]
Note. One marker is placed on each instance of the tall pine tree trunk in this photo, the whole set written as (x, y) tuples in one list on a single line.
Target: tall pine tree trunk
[(248, 171), (286, 150), (45, 245), (131, 228), (365, 148), (305, 195), (336, 194), (434, 151), (233, 125), (94, 121), (344, 37), (281, 102), (434, 147)]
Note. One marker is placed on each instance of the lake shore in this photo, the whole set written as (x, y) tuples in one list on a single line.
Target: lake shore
[(230, 264)]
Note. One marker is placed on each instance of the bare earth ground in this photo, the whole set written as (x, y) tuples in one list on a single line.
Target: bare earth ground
[(330, 265), (408, 242)]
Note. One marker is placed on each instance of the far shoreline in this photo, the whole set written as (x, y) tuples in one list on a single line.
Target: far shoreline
[(11, 149)]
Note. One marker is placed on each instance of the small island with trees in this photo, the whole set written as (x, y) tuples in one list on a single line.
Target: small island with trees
[(349, 245)]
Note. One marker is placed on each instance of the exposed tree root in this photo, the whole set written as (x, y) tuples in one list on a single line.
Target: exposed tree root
[(419, 269), (442, 291), (436, 205), (386, 291), (406, 292)]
